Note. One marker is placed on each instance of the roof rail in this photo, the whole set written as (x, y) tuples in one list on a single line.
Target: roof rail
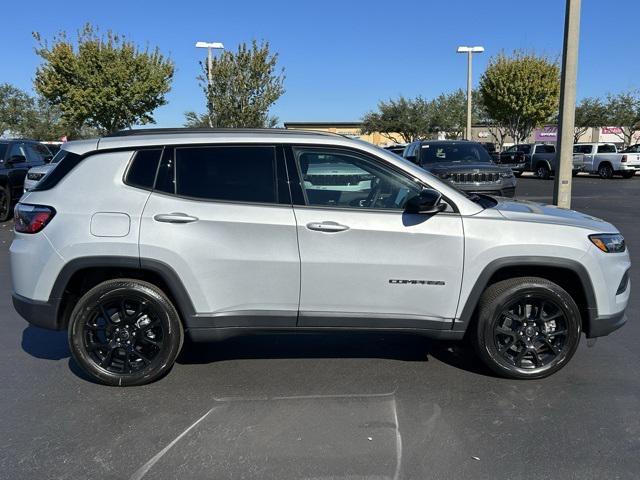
[(186, 130)]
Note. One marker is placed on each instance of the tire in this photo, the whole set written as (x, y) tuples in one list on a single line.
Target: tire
[(5, 204), (125, 332), (574, 173), (605, 170), (543, 172), (628, 175), (501, 339), (517, 174)]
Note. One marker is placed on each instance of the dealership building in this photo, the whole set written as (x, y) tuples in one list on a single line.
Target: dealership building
[(479, 133)]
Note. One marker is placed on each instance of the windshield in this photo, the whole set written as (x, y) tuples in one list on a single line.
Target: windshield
[(455, 152), (58, 156)]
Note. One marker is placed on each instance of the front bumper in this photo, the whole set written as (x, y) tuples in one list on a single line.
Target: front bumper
[(605, 324), (40, 314)]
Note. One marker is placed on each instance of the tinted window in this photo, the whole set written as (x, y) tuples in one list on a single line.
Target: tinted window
[(242, 174), (38, 153), (607, 148), (143, 168), (3, 150), (337, 178), (526, 149), (18, 152), (545, 149), (458, 152), (67, 161), (586, 149)]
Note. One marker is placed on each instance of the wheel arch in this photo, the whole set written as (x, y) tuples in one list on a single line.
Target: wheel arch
[(568, 274), (82, 274)]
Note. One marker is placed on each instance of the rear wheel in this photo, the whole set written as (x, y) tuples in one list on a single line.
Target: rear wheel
[(605, 170), (543, 171), (5, 204), (125, 332), (527, 328), (628, 174), (517, 174)]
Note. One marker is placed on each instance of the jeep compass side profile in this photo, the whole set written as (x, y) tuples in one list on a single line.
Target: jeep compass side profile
[(136, 240)]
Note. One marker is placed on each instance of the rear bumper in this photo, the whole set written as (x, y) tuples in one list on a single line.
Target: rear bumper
[(40, 314), (605, 324)]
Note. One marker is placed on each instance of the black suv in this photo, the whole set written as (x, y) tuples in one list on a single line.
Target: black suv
[(16, 158), (465, 164)]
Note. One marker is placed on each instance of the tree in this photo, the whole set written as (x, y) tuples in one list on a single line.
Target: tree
[(196, 120), (15, 106), (623, 110), (104, 82), (450, 112), (590, 112), (245, 85), (520, 92), (408, 118)]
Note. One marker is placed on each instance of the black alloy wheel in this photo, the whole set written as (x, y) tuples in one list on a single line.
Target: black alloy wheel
[(125, 332), (531, 332), (605, 171), (527, 327), (543, 172)]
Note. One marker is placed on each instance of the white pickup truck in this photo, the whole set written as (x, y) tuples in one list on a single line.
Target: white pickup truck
[(604, 159)]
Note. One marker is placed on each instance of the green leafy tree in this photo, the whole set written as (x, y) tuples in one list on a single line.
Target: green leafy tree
[(15, 107), (520, 92), (623, 110), (245, 85), (103, 82), (590, 112), (408, 118)]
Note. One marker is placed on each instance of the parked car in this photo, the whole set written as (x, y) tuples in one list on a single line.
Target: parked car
[(512, 157), (397, 149), (632, 149), (139, 239), (604, 159), (490, 147), (53, 146), (465, 164), (16, 157), (35, 174)]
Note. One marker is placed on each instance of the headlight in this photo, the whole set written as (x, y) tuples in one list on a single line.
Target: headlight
[(609, 242)]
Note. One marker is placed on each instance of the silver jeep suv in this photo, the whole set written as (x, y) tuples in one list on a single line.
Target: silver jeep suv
[(137, 239)]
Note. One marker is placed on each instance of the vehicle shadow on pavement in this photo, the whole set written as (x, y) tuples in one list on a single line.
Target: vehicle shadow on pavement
[(45, 344), (393, 346)]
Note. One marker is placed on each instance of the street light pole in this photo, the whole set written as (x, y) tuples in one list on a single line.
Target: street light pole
[(209, 46), (469, 51), (562, 183)]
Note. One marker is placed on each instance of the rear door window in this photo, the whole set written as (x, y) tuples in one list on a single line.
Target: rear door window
[(607, 148), (227, 173)]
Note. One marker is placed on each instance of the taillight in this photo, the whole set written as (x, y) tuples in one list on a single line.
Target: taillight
[(624, 158), (31, 218)]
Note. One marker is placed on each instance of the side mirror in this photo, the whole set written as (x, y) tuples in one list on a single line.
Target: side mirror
[(427, 201), (16, 159)]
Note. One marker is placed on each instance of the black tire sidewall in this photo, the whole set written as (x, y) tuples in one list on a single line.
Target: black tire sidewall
[(543, 172), (485, 344), (7, 215), (605, 171), (172, 330)]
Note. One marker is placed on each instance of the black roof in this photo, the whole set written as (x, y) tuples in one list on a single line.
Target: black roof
[(186, 130)]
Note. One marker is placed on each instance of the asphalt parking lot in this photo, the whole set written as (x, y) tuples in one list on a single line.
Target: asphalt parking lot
[(329, 406)]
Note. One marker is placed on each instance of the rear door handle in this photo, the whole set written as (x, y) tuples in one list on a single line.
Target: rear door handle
[(330, 227), (175, 217)]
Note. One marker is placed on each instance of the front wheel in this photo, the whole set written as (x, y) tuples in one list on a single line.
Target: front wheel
[(125, 332), (517, 174), (628, 174), (527, 328), (5, 204)]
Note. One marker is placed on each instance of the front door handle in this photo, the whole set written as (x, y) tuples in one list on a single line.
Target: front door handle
[(175, 217), (330, 227)]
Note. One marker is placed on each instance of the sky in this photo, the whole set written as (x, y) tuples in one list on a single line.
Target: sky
[(340, 57)]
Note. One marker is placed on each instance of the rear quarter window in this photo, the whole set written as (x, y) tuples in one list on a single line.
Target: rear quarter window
[(66, 161), (143, 168)]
